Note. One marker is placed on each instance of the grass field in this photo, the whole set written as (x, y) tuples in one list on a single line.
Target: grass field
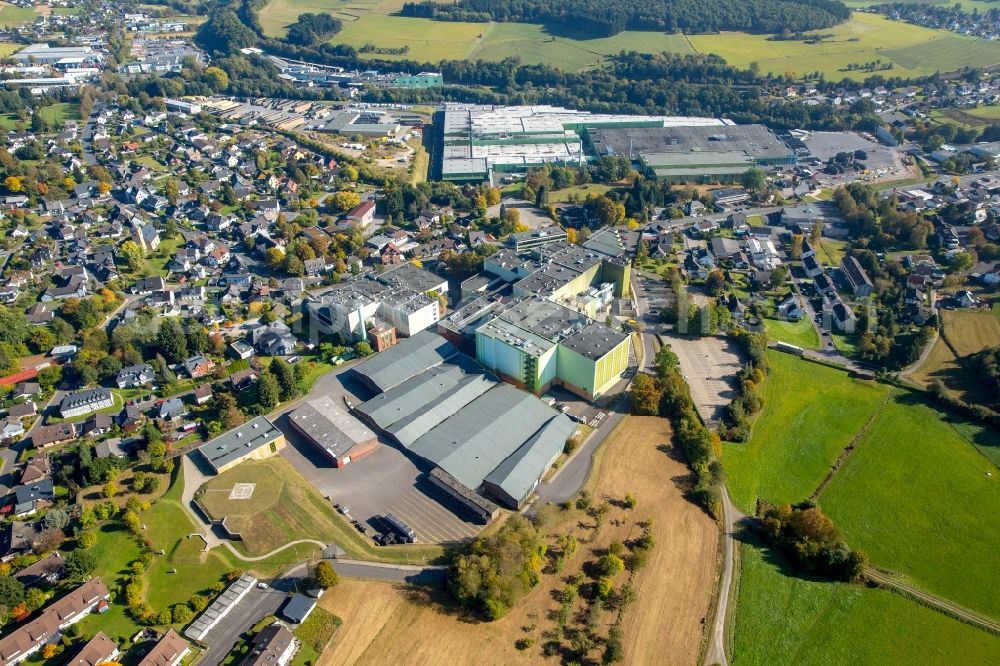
[(964, 332), (977, 117), (782, 618), (7, 48), (386, 624), (801, 333), (535, 44), (913, 50), (581, 191), (918, 499), (13, 15), (810, 414), (831, 252), (283, 508)]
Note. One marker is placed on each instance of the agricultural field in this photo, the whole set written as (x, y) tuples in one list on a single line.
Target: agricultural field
[(12, 15), (283, 506), (811, 412), (920, 500), (535, 44), (801, 333), (964, 332), (783, 617), (978, 117), (913, 50), (395, 624)]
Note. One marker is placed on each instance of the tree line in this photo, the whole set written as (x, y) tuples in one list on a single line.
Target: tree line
[(609, 18)]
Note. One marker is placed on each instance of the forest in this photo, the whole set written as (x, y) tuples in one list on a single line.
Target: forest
[(609, 18)]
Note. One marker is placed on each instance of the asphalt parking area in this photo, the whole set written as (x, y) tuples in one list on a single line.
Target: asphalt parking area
[(385, 481), (710, 365)]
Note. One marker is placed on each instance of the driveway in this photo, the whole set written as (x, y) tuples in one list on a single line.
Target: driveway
[(385, 481), (251, 609)]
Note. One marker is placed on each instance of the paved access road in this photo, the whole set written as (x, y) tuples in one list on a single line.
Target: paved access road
[(251, 609)]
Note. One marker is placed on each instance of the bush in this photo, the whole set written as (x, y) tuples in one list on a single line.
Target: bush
[(605, 586), (499, 569), (524, 643), (610, 565), (181, 613), (86, 539), (325, 575)]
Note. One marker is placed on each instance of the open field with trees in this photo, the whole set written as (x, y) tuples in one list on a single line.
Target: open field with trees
[(784, 617), (672, 589), (912, 50), (920, 501), (811, 412), (963, 333)]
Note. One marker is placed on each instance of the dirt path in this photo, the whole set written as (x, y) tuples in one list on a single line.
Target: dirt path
[(849, 449), (731, 519), (937, 603), (386, 623)]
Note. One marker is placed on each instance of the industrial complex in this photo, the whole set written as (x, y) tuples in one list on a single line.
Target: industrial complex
[(478, 141), (488, 437)]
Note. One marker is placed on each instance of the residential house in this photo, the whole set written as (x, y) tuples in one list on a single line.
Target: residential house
[(171, 409), (50, 435), (170, 650), (363, 214), (203, 394), (28, 498), (84, 402), (135, 376), (29, 638), (37, 469), (856, 277), (198, 366), (273, 339), (789, 307)]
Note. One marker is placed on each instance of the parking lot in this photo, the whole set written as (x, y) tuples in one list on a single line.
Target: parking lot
[(385, 481), (710, 365)]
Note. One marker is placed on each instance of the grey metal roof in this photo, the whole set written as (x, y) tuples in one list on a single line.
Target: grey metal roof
[(240, 441), (473, 442), (409, 429), (407, 398), (519, 473), (408, 358)]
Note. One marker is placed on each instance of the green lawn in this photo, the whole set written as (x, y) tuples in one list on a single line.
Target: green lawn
[(831, 252), (810, 414), (156, 262), (922, 502), (913, 50), (7, 48), (57, 114), (801, 333), (782, 618), (845, 344), (578, 191), (12, 15), (67, 11)]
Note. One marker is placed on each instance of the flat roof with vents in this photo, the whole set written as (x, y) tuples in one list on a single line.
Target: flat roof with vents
[(239, 442)]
